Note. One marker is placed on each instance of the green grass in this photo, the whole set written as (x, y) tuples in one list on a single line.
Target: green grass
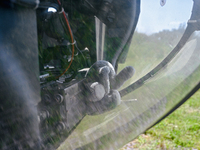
[(180, 130)]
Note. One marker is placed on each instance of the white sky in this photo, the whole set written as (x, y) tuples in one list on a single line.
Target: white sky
[(154, 18)]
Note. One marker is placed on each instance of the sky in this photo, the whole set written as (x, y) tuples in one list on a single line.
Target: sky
[(154, 17)]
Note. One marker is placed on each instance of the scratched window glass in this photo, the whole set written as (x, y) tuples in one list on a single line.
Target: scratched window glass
[(93, 74)]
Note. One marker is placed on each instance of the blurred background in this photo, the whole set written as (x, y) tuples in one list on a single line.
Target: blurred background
[(180, 130)]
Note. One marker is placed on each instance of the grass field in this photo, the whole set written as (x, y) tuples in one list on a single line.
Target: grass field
[(180, 130)]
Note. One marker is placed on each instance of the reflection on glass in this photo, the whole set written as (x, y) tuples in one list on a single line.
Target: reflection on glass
[(141, 108), (81, 103)]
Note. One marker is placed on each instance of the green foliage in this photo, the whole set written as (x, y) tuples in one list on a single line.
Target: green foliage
[(180, 130), (146, 51)]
